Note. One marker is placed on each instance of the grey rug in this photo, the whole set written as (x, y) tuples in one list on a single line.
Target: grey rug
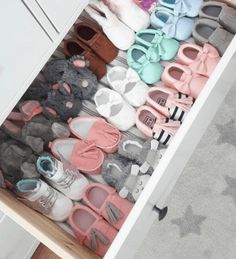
[(201, 222)]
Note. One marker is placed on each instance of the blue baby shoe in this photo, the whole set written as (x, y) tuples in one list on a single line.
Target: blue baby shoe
[(178, 27), (145, 61), (183, 7)]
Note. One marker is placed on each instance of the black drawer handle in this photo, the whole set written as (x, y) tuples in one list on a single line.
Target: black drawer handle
[(162, 212)]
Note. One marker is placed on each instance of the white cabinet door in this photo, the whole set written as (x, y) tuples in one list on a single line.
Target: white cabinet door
[(59, 12), (23, 44)]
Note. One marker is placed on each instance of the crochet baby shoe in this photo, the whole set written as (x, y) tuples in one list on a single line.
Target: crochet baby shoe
[(146, 62), (169, 102), (154, 124), (115, 109), (220, 12), (209, 31), (183, 7), (116, 31), (201, 60), (128, 83), (181, 77), (178, 27), (157, 39)]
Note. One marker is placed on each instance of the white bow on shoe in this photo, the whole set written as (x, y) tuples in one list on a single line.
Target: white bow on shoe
[(118, 33), (130, 14)]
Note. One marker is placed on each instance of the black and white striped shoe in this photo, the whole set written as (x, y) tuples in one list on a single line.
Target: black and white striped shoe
[(169, 102)]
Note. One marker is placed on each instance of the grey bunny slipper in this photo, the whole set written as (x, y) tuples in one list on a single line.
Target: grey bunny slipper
[(209, 31), (146, 154), (220, 12), (121, 174), (17, 161)]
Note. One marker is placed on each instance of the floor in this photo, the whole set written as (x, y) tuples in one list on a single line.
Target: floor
[(201, 221), (42, 252)]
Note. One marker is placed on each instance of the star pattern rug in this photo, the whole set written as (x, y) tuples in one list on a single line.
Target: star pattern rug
[(201, 221)]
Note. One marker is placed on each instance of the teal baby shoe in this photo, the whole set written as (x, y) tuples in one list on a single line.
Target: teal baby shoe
[(146, 62), (175, 26), (157, 39)]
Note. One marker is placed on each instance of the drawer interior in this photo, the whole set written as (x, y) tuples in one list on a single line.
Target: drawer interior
[(49, 233)]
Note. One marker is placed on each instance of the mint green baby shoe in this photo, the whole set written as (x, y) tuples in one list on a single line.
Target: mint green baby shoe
[(166, 46), (146, 62)]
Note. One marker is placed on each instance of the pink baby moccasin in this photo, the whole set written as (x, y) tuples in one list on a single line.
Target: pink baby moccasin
[(82, 154), (153, 124), (105, 201), (96, 130), (169, 102), (182, 78), (91, 230), (201, 60)]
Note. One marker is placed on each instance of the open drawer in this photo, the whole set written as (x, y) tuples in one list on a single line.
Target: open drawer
[(156, 191)]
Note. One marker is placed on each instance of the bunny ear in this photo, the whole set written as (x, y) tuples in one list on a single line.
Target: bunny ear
[(123, 192)]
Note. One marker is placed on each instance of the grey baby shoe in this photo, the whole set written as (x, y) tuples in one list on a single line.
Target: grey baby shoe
[(209, 31), (220, 12), (146, 154), (121, 174)]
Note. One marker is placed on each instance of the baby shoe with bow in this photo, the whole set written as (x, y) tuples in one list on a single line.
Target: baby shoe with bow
[(181, 77), (175, 26), (201, 60), (115, 109), (128, 83), (166, 46), (146, 62)]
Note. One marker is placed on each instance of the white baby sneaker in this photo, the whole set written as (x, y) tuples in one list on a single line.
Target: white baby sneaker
[(130, 14), (128, 83), (117, 32), (115, 109), (43, 198), (65, 179)]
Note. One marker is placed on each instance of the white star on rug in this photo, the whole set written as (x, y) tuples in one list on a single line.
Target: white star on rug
[(189, 223)]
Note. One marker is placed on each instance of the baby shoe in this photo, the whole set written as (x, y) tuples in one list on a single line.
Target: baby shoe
[(92, 36), (209, 31), (117, 32), (169, 102), (127, 83), (17, 160), (62, 177), (74, 47), (201, 60), (183, 7), (146, 62), (181, 77), (91, 230), (142, 153), (146, 5), (61, 103), (43, 198), (157, 39), (178, 27), (112, 106), (130, 14), (84, 155), (153, 124), (107, 203), (220, 12), (120, 173), (96, 130)]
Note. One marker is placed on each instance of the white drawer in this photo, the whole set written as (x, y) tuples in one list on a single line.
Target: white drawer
[(59, 12), (23, 43)]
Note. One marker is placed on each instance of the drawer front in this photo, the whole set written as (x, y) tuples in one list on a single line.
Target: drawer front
[(59, 12), (174, 160), (23, 44)]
